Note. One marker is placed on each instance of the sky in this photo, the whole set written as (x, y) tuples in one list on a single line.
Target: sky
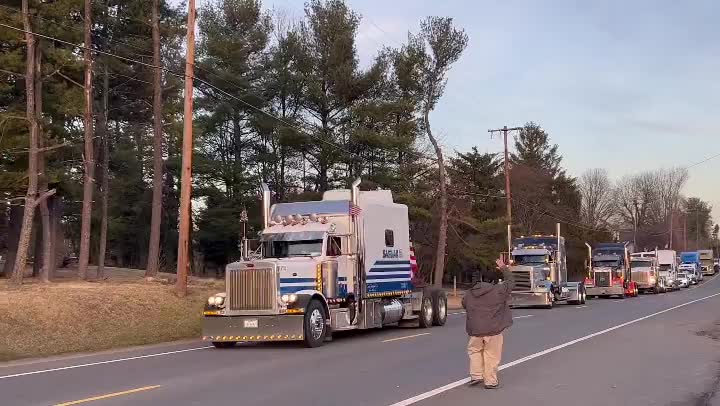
[(622, 85)]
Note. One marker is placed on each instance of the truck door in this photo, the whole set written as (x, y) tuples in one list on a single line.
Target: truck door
[(337, 250)]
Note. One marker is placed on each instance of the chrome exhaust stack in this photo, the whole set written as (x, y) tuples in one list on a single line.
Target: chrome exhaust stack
[(265, 191), (589, 258), (355, 191)]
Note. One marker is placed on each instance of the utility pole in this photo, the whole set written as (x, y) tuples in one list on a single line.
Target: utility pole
[(685, 232), (506, 169), (671, 228), (697, 229), (183, 259)]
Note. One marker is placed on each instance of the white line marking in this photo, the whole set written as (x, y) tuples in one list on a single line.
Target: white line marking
[(580, 307), (455, 384), (403, 338), (43, 371), (455, 314), (523, 317)]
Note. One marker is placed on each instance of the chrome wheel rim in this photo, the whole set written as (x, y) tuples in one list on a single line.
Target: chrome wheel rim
[(428, 311), (316, 324), (442, 308)]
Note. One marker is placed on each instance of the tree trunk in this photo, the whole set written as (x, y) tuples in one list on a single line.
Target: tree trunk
[(15, 221), (88, 159), (37, 241), (105, 177), (46, 249), (29, 211), (442, 228), (153, 262)]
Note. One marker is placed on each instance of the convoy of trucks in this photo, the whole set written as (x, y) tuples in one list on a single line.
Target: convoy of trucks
[(346, 263), (341, 263)]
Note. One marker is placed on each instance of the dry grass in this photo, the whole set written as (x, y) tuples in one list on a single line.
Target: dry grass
[(72, 316)]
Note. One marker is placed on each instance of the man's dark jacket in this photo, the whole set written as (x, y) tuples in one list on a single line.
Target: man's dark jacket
[(488, 307)]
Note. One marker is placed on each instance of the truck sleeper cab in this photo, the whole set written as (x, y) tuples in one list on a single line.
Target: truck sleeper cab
[(341, 263)]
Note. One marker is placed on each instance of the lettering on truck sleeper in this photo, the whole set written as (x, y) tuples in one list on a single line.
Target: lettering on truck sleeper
[(392, 253)]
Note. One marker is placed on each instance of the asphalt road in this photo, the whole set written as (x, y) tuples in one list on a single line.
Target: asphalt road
[(652, 350)]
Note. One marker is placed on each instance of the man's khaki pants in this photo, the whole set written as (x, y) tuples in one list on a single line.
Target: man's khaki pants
[(485, 355)]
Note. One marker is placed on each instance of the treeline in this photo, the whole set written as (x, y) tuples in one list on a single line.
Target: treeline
[(649, 209), (278, 100)]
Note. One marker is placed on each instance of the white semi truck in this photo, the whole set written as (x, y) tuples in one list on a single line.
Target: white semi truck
[(341, 263)]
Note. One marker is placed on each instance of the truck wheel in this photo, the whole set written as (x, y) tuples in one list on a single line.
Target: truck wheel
[(223, 344), (314, 327), (439, 301), (426, 312)]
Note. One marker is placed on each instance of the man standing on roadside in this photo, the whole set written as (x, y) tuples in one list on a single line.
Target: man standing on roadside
[(487, 306)]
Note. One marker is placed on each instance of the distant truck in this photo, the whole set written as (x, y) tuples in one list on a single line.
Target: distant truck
[(539, 267), (609, 273), (706, 262), (645, 273), (668, 267), (692, 258), (341, 263)]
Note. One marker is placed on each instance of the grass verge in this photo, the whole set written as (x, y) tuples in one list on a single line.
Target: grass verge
[(39, 320)]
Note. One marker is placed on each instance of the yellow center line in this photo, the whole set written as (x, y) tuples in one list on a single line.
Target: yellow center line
[(402, 338), (109, 395)]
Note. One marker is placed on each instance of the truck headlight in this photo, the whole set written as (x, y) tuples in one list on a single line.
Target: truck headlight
[(291, 298), (217, 300)]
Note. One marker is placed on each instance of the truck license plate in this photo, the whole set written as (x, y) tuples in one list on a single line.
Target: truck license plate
[(250, 323)]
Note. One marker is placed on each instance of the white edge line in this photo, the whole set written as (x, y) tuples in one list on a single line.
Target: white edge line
[(403, 338), (455, 384), (523, 317), (89, 364)]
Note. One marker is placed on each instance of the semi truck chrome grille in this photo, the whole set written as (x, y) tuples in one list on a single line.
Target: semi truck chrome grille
[(602, 279), (252, 289), (522, 280), (641, 277)]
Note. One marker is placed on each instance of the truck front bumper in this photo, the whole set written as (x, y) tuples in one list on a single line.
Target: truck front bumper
[(605, 291), (253, 328), (529, 299)]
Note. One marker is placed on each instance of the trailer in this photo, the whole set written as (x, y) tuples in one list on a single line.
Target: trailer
[(341, 263), (539, 268), (609, 271), (668, 268)]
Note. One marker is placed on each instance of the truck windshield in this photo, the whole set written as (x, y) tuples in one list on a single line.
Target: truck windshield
[(530, 259), (664, 267), (609, 264), (640, 264), (286, 249)]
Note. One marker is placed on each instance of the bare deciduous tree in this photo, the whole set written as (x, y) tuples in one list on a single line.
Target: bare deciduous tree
[(597, 205)]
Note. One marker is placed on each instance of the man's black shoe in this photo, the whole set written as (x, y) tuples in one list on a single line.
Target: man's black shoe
[(474, 382), (497, 385)]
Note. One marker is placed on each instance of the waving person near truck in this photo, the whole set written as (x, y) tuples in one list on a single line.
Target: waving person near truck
[(488, 315)]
